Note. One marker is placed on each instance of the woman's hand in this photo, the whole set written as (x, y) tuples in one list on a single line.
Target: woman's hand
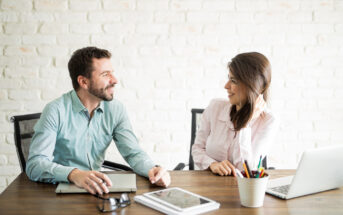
[(260, 105), (223, 168)]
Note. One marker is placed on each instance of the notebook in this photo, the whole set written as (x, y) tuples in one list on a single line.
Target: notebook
[(319, 170), (120, 183)]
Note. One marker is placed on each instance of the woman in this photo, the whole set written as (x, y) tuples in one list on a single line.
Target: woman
[(241, 128)]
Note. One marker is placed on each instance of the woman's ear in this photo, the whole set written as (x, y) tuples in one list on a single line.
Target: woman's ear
[(83, 82)]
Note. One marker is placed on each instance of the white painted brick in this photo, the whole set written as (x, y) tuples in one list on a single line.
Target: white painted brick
[(103, 17), (338, 5), (283, 5), (39, 39), (18, 72), (8, 16), (71, 17), (155, 51), (51, 5), (3, 96), (126, 29), (6, 83), (152, 5), (339, 28), (61, 61), (186, 29), (17, 5), (219, 5), (140, 39), (189, 51), (22, 28), (20, 51), (85, 28), (236, 17), (326, 5), (10, 105), (6, 128), (301, 39), (3, 182), (35, 83), (10, 179), (36, 16), (84, 5), (72, 39), (10, 170), (152, 28), (328, 17), (52, 50), (3, 161), (330, 39), (170, 17), (202, 17), (105, 40), (181, 5), (22, 95), (37, 61), (119, 4), (317, 28), (137, 17), (53, 28), (219, 29), (171, 41), (270, 17), (300, 17), (9, 40), (34, 106), (251, 5), (9, 61), (13, 159)]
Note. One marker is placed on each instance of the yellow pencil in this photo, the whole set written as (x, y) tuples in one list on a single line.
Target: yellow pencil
[(246, 170)]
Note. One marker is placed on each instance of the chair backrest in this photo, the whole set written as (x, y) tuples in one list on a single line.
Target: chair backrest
[(23, 132), (196, 116)]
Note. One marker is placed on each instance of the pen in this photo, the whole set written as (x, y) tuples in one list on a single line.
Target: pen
[(248, 169), (258, 167), (89, 162), (262, 173), (239, 173)]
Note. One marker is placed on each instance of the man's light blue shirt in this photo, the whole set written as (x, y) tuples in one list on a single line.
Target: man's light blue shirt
[(65, 134)]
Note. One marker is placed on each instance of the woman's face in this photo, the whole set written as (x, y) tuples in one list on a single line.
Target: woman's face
[(236, 91)]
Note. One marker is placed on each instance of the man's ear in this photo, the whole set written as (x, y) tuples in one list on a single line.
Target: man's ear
[(83, 82)]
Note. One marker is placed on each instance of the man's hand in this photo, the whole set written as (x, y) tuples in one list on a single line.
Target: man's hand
[(223, 168), (159, 176), (93, 181)]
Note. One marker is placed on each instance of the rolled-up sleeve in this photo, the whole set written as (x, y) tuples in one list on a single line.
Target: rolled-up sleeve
[(128, 146), (40, 165)]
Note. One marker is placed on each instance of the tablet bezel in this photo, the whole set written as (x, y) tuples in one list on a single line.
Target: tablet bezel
[(150, 196)]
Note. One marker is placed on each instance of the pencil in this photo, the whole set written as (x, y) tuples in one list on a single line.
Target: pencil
[(246, 170)]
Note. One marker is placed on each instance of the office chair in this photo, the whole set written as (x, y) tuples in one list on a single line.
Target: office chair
[(196, 116), (23, 132)]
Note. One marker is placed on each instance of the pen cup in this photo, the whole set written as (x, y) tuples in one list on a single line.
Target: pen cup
[(252, 190)]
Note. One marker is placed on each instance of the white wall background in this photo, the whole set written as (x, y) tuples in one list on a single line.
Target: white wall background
[(171, 56)]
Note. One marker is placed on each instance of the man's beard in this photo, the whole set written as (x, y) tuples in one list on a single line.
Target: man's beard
[(101, 93)]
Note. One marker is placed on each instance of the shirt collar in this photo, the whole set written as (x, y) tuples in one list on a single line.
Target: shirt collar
[(78, 106)]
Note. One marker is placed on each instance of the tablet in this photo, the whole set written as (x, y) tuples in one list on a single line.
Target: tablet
[(179, 199)]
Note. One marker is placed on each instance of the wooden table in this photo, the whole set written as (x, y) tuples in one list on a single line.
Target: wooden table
[(26, 197)]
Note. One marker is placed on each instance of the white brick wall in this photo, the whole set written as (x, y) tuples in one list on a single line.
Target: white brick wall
[(170, 56)]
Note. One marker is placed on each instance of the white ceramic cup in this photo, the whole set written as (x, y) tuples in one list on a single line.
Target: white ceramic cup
[(252, 191)]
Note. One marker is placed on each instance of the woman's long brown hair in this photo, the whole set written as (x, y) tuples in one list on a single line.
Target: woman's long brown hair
[(253, 71)]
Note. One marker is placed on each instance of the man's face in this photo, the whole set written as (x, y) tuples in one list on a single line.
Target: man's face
[(102, 80)]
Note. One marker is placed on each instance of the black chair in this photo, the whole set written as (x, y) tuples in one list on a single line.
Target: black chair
[(196, 115), (23, 132)]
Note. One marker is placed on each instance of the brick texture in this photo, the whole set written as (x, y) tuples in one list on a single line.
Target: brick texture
[(170, 56)]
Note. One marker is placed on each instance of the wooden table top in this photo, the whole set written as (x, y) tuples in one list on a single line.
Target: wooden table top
[(26, 197)]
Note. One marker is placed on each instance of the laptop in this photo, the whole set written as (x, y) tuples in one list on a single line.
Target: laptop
[(120, 183), (319, 170)]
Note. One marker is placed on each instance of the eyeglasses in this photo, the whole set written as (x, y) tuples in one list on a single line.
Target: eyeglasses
[(108, 204)]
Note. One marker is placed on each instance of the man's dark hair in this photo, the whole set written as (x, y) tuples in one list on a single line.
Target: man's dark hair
[(81, 63)]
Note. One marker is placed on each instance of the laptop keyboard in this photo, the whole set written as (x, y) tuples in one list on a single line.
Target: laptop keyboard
[(282, 189)]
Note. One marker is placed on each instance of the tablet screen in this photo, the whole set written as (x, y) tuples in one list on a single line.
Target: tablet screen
[(179, 198)]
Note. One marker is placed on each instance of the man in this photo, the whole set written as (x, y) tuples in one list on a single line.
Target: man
[(74, 131)]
